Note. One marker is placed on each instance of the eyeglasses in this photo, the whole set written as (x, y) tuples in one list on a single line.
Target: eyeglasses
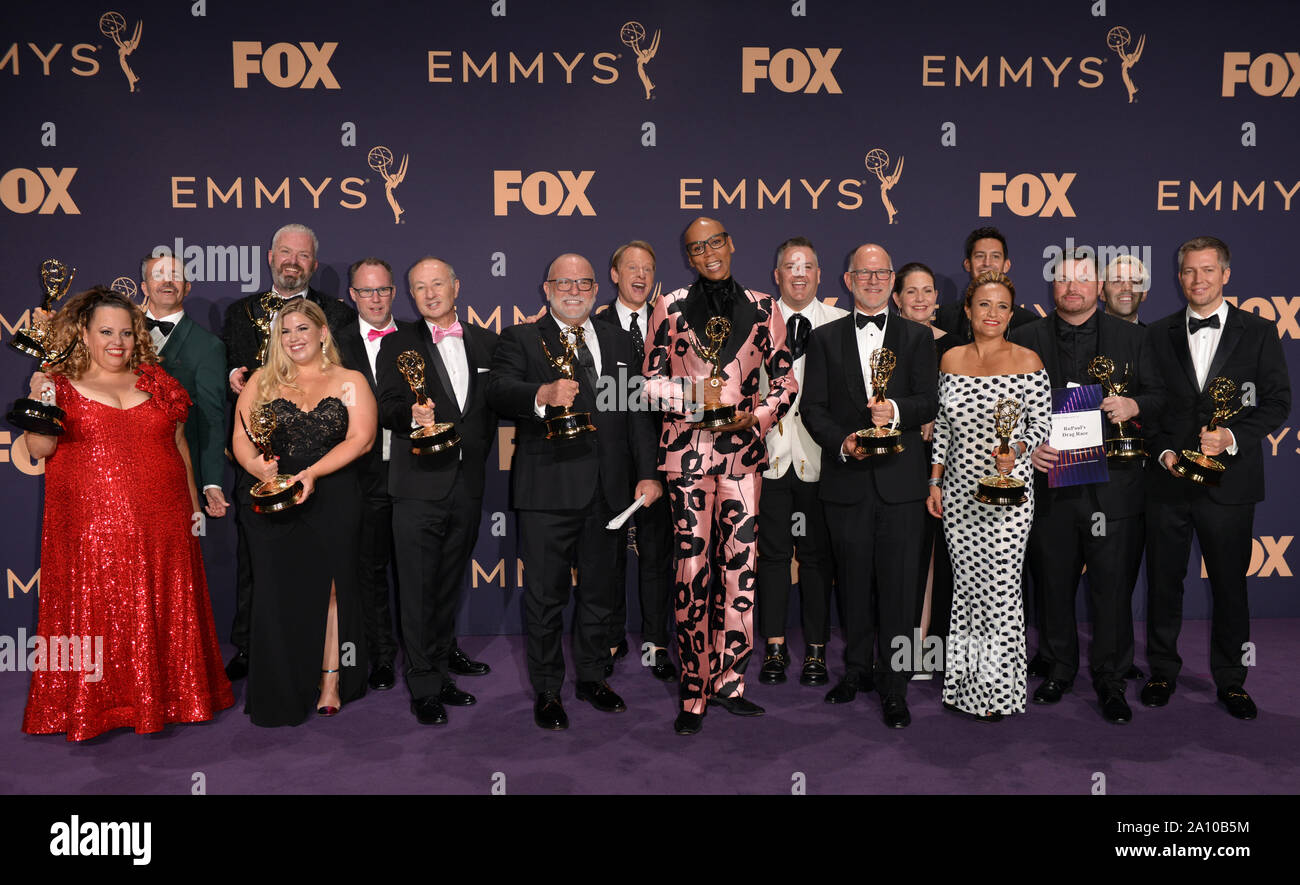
[(564, 284), (717, 241), (381, 292), (791, 267), (864, 274)]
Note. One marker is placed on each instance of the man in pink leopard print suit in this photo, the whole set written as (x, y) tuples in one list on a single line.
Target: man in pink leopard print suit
[(714, 477)]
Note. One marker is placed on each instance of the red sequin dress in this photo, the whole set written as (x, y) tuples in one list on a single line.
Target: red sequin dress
[(124, 613)]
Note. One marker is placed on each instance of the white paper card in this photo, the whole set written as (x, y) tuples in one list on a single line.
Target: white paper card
[(1076, 430)]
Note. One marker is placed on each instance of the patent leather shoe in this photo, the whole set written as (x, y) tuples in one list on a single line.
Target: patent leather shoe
[(1156, 693), (896, 713), (775, 659), (382, 678), (1050, 692), (1238, 702), (737, 706), (548, 712), (460, 664), (237, 669), (600, 696), (814, 666), (1037, 667), (688, 723), (663, 669), (429, 711), (847, 689), (1115, 709), (452, 696)]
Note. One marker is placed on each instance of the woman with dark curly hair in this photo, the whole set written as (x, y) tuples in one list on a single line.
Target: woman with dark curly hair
[(125, 635)]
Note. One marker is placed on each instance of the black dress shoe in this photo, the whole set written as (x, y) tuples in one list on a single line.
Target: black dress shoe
[(382, 677), (461, 665), (452, 696), (1156, 693), (737, 706), (993, 716), (1050, 691), (429, 711), (620, 650), (1037, 666), (548, 712), (688, 723), (237, 669), (1134, 673), (1115, 709), (775, 659), (896, 712), (847, 689), (663, 669), (814, 666), (601, 696), (1238, 702)]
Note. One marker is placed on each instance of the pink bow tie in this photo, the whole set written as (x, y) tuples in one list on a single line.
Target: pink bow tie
[(452, 331), (375, 333)]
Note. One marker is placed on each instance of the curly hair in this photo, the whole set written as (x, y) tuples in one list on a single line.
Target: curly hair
[(991, 277), (281, 371), (69, 327)]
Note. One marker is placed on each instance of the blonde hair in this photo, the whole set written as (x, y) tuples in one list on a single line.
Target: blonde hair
[(281, 371), (71, 322)]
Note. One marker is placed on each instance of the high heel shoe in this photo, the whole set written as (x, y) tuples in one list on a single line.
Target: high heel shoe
[(327, 710)]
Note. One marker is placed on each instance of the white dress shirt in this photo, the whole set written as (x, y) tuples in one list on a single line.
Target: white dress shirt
[(159, 339), (589, 338), (372, 351), (1203, 346), (456, 362)]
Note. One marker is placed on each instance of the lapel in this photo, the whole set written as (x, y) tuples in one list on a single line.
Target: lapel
[(853, 365), (1178, 341), (438, 386), (170, 355), (744, 314), (355, 349), (473, 359), (1048, 346), (549, 330), (1233, 329)]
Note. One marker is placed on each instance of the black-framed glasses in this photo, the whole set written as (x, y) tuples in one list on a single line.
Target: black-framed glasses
[(717, 241), (564, 284), (867, 273), (380, 291)]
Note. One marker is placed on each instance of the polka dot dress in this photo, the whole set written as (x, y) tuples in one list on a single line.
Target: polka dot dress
[(985, 658)]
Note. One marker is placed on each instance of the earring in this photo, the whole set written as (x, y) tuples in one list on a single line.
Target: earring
[(322, 348)]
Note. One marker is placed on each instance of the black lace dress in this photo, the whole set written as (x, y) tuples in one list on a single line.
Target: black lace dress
[(297, 554)]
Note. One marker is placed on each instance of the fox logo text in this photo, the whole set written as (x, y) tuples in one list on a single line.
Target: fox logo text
[(542, 193), (790, 70), (284, 64), (1027, 194)]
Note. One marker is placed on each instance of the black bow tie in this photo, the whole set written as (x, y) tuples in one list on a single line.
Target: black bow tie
[(1195, 325), (166, 327), (862, 319), (796, 334)]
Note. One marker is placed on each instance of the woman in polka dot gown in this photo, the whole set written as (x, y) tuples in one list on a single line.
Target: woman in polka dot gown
[(984, 674)]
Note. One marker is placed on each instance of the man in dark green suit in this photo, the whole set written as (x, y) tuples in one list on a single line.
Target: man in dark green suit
[(197, 359)]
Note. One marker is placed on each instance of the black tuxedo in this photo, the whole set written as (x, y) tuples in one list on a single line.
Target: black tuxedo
[(437, 499), (654, 554), (565, 491), (951, 317), (194, 357), (242, 341), (1066, 534), (874, 507), (376, 548), (1248, 353)]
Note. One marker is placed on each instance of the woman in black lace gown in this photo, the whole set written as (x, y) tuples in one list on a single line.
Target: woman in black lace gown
[(307, 644)]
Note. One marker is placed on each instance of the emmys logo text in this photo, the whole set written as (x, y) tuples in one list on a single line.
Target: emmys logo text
[(790, 70), (191, 192), (80, 53), (43, 190), (1222, 195), (23, 587), (60, 654), (1267, 75), (284, 64), (943, 70), (510, 68), (563, 192), (1027, 194)]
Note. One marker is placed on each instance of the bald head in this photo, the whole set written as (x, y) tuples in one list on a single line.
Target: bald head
[(565, 279), (709, 248), (870, 278)]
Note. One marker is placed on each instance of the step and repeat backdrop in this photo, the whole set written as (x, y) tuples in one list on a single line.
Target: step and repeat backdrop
[(497, 135)]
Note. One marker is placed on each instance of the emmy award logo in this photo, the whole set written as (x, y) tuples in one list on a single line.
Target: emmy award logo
[(998, 488), (568, 423), (43, 415), (1118, 39), (380, 159), (632, 34), (56, 278), (1123, 445), (279, 492), (436, 437), (878, 161), (718, 416), (126, 287), (1195, 465), (880, 440), (270, 304), (111, 24)]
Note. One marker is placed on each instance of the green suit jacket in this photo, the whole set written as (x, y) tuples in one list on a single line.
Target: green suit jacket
[(197, 359)]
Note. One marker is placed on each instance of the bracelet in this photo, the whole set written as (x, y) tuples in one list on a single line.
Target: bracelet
[(936, 481)]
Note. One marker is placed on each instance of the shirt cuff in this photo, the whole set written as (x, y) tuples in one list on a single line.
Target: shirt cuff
[(893, 422), (1232, 449), (539, 408), (212, 486)]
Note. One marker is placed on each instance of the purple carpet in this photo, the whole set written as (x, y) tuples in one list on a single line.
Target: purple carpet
[(375, 745)]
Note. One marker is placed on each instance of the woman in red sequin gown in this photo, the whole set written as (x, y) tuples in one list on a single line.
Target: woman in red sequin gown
[(121, 571)]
